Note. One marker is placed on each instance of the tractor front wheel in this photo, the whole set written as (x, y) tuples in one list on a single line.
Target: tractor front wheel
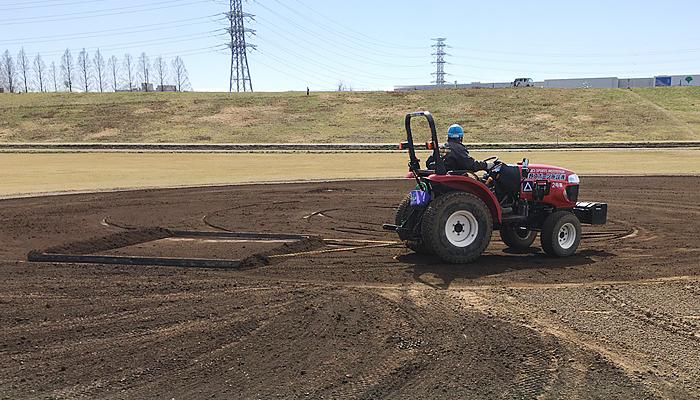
[(457, 227), (518, 238), (561, 234)]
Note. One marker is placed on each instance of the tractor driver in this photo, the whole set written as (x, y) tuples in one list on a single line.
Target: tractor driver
[(455, 155)]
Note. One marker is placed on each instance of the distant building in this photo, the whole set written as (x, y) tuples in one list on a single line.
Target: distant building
[(610, 82), (166, 88), (605, 82), (635, 82), (677, 80)]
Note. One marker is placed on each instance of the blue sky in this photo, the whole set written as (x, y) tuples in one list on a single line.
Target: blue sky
[(366, 45)]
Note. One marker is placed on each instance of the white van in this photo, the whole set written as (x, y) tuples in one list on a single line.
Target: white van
[(523, 82)]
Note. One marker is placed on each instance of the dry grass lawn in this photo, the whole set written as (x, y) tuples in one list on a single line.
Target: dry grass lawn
[(24, 173)]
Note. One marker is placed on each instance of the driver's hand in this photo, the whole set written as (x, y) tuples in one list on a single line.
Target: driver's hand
[(489, 165)]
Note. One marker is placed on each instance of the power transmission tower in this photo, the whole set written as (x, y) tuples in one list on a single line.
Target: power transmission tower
[(239, 60), (439, 60)]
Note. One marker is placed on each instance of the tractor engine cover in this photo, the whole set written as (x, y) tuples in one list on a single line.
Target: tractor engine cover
[(549, 184)]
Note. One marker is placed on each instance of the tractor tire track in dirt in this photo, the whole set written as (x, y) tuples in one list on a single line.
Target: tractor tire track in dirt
[(353, 316)]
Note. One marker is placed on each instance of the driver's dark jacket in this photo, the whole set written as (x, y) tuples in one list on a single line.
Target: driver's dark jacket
[(456, 157)]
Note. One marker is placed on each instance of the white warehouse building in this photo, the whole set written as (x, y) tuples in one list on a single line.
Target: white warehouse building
[(573, 83)]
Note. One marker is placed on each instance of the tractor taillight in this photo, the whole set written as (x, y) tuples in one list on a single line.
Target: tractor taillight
[(430, 145)]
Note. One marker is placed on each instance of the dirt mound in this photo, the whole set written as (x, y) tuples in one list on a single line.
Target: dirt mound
[(113, 241), (286, 249)]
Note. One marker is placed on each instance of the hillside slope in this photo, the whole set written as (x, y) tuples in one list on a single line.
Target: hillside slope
[(488, 115)]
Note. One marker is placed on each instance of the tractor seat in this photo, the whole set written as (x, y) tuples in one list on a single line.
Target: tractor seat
[(424, 172)]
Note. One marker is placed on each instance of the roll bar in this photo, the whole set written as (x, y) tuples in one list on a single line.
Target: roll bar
[(414, 163)]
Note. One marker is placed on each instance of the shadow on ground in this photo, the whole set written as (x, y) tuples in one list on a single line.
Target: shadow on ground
[(509, 260)]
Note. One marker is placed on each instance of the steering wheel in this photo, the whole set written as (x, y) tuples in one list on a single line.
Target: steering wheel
[(492, 158), (471, 175)]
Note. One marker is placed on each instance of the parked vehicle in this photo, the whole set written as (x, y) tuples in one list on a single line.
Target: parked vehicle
[(523, 82)]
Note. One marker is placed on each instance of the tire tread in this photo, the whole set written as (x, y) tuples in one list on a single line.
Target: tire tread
[(548, 235), (431, 235)]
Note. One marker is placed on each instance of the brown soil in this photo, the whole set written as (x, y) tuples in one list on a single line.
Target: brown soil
[(349, 317)]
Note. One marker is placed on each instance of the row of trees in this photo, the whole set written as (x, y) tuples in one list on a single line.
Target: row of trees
[(87, 73)]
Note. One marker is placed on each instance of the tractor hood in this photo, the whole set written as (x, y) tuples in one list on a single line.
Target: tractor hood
[(550, 173)]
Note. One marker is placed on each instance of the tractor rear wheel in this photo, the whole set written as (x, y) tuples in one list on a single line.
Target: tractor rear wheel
[(402, 213), (457, 227), (561, 234), (518, 238)]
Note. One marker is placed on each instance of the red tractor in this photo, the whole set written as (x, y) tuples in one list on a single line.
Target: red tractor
[(453, 213)]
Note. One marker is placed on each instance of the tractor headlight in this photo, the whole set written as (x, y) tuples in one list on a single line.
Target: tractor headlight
[(571, 193), (573, 178)]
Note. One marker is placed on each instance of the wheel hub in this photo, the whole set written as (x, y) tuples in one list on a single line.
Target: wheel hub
[(566, 235), (461, 228)]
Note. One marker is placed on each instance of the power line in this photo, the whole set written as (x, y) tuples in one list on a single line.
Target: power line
[(578, 55), (291, 66), (144, 43), (363, 52), (575, 64), (362, 34), (27, 6), (328, 68), (110, 32), (92, 14), (320, 56), (350, 38), (337, 51)]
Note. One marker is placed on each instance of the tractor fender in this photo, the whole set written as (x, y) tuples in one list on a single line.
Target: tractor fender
[(471, 185)]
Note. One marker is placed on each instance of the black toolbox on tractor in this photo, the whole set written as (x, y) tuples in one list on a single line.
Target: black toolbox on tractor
[(591, 212)]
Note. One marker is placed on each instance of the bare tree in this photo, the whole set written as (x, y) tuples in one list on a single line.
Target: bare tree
[(100, 69), (39, 72), (161, 68), (8, 71), (68, 69), (143, 70), (180, 74), (342, 86), (129, 70), (2, 74), (84, 69), (54, 76), (23, 66), (113, 70)]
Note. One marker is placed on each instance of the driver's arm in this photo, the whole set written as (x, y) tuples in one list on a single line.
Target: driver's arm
[(473, 165)]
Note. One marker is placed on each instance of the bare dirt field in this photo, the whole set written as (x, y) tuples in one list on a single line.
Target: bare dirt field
[(348, 313)]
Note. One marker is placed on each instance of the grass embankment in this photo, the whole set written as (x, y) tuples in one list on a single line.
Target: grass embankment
[(488, 115)]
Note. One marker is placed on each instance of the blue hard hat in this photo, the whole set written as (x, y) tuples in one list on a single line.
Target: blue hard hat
[(455, 131)]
